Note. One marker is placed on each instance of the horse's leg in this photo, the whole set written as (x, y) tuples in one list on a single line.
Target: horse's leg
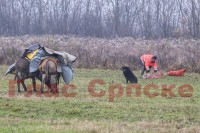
[(54, 83), (24, 86), (18, 85), (34, 83), (57, 82), (58, 78), (43, 81), (18, 81)]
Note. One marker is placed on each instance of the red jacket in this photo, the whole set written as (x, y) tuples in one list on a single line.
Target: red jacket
[(177, 73), (147, 61)]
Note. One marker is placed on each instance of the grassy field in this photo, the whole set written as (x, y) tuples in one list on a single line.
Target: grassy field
[(86, 114)]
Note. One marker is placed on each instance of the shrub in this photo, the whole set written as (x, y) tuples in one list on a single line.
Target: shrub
[(110, 53)]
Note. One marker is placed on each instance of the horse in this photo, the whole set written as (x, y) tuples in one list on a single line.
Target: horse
[(22, 73), (48, 68)]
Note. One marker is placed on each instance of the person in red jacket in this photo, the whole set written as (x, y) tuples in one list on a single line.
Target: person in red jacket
[(148, 61)]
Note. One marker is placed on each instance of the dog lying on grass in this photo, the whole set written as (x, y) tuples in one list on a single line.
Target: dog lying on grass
[(128, 74)]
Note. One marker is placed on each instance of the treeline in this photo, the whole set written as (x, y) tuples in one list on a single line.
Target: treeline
[(149, 19)]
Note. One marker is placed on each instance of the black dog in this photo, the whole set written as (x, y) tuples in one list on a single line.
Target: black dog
[(129, 75)]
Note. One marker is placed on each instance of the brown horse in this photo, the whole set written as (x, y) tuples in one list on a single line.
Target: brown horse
[(22, 73), (48, 68)]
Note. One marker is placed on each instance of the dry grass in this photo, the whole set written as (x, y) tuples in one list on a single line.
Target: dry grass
[(77, 125), (87, 114), (113, 53)]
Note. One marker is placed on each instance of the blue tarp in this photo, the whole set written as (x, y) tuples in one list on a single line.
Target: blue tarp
[(67, 72)]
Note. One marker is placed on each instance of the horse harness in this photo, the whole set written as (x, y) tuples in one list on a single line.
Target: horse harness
[(41, 66)]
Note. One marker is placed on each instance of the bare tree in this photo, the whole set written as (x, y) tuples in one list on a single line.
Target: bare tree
[(101, 18)]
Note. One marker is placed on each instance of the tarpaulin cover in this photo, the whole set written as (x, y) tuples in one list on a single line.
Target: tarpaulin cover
[(11, 69), (40, 53)]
